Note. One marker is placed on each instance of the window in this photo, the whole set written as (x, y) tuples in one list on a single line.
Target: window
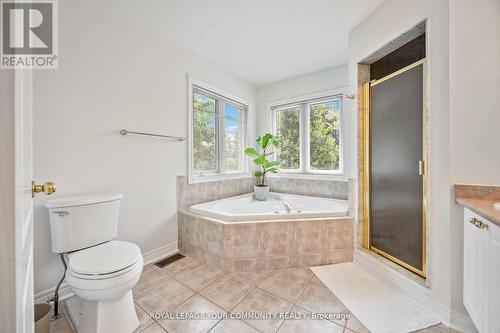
[(310, 133), (218, 132)]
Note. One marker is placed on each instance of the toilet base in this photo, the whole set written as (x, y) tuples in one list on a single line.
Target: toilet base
[(117, 315)]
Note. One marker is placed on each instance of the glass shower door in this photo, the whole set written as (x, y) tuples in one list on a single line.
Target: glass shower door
[(397, 225)]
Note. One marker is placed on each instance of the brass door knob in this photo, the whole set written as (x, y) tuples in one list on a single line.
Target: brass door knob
[(47, 188)]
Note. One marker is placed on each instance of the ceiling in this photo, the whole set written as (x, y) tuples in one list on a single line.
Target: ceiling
[(261, 41)]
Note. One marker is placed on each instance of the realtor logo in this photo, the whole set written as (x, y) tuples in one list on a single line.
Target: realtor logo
[(29, 34)]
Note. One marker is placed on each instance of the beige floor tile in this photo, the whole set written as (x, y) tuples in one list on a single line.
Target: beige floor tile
[(317, 281), (148, 267), (143, 317), (196, 304), (436, 329), (355, 325), (150, 279), (165, 297), (320, 299), (261, 302), (227, 291), (154, 328), (199, 277), (233, 326), (287, 283), (60, 325), (253, 278), (305, 324), (181, 265)]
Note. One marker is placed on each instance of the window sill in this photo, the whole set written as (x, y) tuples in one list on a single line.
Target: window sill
[(214, 178), (309, 176)]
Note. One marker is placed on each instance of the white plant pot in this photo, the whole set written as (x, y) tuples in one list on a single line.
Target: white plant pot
[(261, 192)]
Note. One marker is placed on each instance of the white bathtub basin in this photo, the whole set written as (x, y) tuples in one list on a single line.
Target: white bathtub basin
[(246, 208)]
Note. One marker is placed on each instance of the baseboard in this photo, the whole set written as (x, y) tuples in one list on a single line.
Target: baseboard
[(149, 257), (45, 295), (160, 253), (462, 322), (420, 294)]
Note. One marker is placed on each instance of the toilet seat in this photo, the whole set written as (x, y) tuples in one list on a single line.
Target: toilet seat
[(93, 285), (104, 261)]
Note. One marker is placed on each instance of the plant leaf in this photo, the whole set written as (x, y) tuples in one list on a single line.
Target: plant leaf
[(265, 140), (258, 161), (273, 170), (275, 142), (258, 174), (266, 164), (252, 152)]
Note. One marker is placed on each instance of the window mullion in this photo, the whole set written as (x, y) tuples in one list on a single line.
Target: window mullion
[(220, 136), (304, 160)]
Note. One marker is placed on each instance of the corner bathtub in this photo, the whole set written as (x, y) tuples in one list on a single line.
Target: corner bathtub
[(245, 208), (243, 234)]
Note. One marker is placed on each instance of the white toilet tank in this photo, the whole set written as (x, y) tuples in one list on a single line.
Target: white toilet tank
[(82, 221)]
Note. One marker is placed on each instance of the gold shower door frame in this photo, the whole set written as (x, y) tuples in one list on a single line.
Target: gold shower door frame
[(365, 168)]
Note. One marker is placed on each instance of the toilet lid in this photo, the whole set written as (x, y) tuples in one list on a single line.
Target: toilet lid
[(105, 258)]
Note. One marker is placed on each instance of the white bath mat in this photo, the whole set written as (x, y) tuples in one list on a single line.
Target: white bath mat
[(380, 308)]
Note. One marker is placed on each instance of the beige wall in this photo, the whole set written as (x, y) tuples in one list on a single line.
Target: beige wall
[(464, 74), (386, 23), (474, 110), (115, 72)]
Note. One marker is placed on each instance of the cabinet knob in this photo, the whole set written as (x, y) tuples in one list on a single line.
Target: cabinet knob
[(479, 224)]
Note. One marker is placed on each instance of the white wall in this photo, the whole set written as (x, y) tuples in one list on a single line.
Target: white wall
[(321, 81), (474, 109), (474, 91), (116, 73), (390, 20)]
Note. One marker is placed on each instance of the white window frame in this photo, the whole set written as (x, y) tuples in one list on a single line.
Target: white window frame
[(305, 171), (220, 96)]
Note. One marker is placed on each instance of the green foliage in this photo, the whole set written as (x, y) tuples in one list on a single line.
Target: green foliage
[(288, 128), (265, 166), (324, 138), (323, 134), (204, 140)]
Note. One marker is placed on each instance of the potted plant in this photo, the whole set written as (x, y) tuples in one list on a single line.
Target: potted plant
[(261, 189)]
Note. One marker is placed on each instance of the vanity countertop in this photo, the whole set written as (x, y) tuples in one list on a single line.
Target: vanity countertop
[(482, 207), (479, 199)]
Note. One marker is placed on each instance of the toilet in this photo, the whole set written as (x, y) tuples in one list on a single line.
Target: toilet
[(101, 271)]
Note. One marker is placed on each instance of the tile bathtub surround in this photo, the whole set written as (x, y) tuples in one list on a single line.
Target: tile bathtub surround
[(190, 194), (316, 188), (266, 245)]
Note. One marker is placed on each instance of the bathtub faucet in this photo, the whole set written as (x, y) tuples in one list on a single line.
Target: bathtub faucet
[(288, 208)]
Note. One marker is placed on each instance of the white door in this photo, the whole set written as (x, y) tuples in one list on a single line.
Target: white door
[(23, 201), (16, 202)]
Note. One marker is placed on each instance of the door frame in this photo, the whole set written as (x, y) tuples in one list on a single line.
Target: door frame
[(365, 166)]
